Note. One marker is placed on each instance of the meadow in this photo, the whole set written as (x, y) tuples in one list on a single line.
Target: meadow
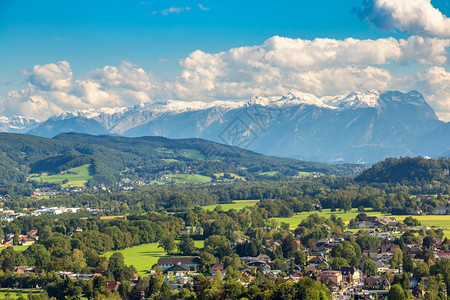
[(188, 178), (233, 177), (440, 221), (143, 257), (79, 180), (237, 205), (13, 293)]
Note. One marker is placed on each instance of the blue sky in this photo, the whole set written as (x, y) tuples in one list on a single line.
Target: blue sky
[(161, 37)]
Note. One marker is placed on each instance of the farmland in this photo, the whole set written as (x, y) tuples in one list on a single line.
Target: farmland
[(13, 293), (79, 177), (188, 178), (143, 257), (440, 221), (237, 205)]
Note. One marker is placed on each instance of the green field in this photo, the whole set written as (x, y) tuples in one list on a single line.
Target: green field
[(426, 220), (270, 173), (220, 176), (301, 173), (16, 248), (192, 153), (13, 293), (237, 205), (143, 257), (170, 160), (79, 180), (188, 178)]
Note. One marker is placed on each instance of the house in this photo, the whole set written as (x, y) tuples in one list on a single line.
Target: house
[(388, 221), (441, 210), (330, 276), (351, 274), (442, 255), (418, 292), (377, 282), (218, 268), (256, 264), (26, 270), (178, 270), (112, 285), (191, 230), (166, 262), (260, 258), (389, 248), (316, 261), (372, 254)]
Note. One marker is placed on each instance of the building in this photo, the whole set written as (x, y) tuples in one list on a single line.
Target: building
[(330, 276), (178, 270), (166, 262)]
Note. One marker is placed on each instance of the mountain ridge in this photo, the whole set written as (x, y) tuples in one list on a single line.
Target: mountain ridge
[(357, 127)]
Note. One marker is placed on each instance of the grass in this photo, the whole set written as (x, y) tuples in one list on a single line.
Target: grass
[(143, 257), (346, 217), (192, 153), (237, 205), (12, 293), (79, 180), (301, 173), (440, 221), (188, 178), (233, 177), (164, 150), (270, 173), (170, 160)]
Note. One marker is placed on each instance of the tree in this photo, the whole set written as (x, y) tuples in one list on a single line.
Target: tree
[(339, 262), (217, 245), (410, 221), (421, 270), (289, 246), (397, 293), (38, 256), (167, 243), (408, 263), (8, 264), (397, 258), (78, 260), (186, 245), (300, 257), (369, 268)]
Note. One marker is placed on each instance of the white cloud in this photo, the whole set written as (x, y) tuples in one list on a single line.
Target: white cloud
[(174, 10), (320, 66), (203, 7), (411, 16), (50, 76), (434, 83)]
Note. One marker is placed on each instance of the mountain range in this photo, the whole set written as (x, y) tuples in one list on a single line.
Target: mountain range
[(355, 128)]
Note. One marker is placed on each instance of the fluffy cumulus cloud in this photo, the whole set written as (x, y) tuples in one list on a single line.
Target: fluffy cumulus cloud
[(411, 16), (52, 89), (319, 66), (435, 84)]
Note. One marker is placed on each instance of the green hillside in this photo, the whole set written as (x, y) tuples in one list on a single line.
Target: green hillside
[(113, 158)]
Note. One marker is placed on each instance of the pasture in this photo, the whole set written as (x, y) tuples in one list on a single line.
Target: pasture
[(13, 293), (143, 257), (439, 221), (188, 178), (237, 205), (84, 174)]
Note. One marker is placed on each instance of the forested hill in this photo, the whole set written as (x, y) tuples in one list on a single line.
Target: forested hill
[(110, 157), (408, 170)]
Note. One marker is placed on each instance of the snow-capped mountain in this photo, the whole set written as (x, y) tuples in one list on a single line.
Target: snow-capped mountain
[(18, 124), (358, 127)]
